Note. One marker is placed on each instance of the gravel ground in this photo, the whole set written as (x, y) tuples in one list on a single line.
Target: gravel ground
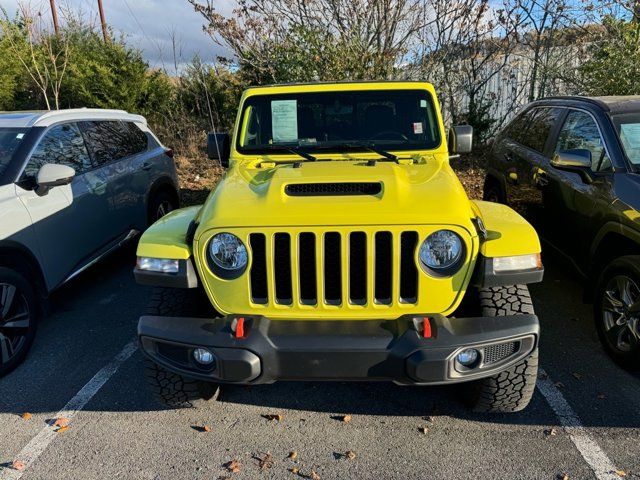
[(121, 433)]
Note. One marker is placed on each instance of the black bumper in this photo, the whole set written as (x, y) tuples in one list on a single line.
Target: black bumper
[(394, 350)]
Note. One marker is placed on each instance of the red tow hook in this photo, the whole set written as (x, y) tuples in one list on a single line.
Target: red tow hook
[(426, 327), (240, 328)]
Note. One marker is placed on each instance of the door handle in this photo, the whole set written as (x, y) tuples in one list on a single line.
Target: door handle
[(146, 166)]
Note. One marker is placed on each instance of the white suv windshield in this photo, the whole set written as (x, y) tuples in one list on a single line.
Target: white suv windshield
[(628, 127), (10, 139)]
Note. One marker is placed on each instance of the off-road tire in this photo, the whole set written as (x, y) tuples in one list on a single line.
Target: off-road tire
[(512, 389), (170, 389), (628, 266)]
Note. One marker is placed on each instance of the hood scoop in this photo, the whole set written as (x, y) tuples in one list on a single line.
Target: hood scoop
[(332, 189)]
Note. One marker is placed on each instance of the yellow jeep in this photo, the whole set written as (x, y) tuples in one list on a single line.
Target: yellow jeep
[(340, 245)]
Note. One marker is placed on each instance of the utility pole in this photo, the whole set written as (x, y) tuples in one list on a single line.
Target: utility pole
[(105, 33), (56, 27)]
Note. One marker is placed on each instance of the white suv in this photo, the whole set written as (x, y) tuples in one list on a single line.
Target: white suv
[(74, 186)]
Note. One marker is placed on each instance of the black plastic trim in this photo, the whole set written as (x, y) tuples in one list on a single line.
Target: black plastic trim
[(333, 189), (185, 278), (484, 276)]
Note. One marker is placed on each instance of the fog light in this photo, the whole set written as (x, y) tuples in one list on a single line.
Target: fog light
[(203, 356), (468, 357), (161, 265)]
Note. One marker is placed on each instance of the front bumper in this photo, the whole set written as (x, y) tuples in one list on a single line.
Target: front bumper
[(392, 350)]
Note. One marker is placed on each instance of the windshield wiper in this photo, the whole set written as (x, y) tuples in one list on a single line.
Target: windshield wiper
[(372, 148), (292, 149)]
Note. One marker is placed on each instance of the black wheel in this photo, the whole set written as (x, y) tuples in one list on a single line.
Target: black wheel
[(19, 311), (617, 311), (160, 204), (171, 389), (510, 390), (493, 192)]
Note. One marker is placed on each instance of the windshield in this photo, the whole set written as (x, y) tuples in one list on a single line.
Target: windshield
[(628, 127), (336, 121), (10, 139)]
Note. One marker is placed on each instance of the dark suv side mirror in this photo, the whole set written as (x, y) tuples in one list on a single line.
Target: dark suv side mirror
[(219, 147), (577, 160), (460, 139)]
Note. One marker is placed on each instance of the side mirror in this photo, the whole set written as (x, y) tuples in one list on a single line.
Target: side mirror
[(460, 139), (219, 147), (577, 160), (53, 175)]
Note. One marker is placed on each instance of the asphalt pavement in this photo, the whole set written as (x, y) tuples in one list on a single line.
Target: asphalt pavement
[(583, 422)]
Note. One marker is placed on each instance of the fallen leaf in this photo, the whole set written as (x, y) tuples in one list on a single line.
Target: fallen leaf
[(272, 417), (265, 462), (429, 419), (206, 428), (350, 454), (61, 422), (233, 466), (562, 476), (550, 432), (424, 430), (26, 415), (620, 473), (18, 465), (577, 376), (314, 476), (346, 418), (62, 429), (294, 470), (293, 455)]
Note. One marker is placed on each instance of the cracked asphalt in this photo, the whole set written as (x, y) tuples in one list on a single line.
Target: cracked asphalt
[(122, 433)]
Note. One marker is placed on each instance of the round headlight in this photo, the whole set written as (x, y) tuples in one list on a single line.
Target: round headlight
[(228, 252), (442, 251)]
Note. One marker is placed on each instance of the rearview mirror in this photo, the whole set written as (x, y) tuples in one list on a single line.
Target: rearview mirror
[(577, 160), (219, 147), (53, 175), (460, 139)]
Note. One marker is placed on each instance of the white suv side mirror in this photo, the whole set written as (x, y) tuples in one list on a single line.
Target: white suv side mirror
[(53, 175)]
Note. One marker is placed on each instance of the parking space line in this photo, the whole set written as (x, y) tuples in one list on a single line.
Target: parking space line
[(597, 459), (39, 443)]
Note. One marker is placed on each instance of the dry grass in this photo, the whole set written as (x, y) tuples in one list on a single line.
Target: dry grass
[(198, 175)]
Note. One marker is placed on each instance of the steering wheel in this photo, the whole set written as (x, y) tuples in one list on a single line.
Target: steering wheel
[(389, 133)]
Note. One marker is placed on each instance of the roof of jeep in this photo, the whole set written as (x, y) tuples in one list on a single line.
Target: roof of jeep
[(45, 118), (340, 86), (613, 104)]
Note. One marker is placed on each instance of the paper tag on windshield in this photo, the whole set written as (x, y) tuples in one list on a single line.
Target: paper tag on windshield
[(20, 136), (284, 120), (417, 128), (630, 134)]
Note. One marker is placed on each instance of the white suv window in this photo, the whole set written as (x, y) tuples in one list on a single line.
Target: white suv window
[(62, 144)]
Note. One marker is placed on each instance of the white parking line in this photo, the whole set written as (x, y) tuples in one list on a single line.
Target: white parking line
[(39, 443), (599, 462)]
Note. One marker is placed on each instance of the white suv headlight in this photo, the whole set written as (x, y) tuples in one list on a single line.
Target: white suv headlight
[(228, 252), (442, 252)]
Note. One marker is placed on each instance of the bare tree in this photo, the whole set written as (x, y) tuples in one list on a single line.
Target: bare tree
[(43, 54)]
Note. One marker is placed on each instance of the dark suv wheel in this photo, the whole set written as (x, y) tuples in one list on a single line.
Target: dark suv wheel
[(18, 319), (617, 311), (160, 204)]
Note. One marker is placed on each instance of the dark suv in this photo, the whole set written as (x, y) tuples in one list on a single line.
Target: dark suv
[(571, 165)]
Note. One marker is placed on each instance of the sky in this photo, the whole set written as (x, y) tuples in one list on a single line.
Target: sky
[(148, 25)]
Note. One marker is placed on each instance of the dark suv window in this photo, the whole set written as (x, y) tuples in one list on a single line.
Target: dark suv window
[(580, 131), (532, 127), (62, 144), (110, 141)]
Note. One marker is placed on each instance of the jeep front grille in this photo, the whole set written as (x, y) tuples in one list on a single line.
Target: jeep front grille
[(307, 268)]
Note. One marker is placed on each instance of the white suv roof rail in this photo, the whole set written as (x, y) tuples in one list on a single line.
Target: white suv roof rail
[(77, 114)]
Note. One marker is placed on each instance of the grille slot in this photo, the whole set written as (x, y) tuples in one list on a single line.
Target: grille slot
[(282, 267), (259, 289), (383, 267), (358, 268), (307, 268), (333, 189), (408, 269), (332, 269), (496, 353)]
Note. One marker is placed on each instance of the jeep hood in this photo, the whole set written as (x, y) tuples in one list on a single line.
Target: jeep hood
[(424, 193)]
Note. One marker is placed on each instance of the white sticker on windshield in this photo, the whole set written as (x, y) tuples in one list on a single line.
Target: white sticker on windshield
[(630, 134), (284, 120), (417, 128), (20, 136)]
